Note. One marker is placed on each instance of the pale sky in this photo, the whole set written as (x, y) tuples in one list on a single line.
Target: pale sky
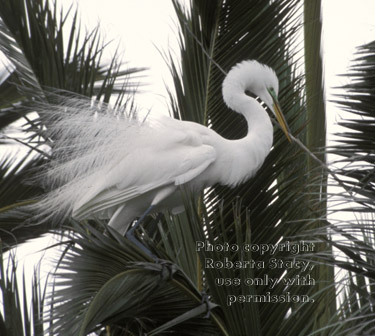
[(347, 24)]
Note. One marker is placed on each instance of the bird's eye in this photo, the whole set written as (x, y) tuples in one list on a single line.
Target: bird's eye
[(272, 92)]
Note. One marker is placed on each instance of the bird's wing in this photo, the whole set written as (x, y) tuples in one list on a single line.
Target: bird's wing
[(195, 163), (175, 158)]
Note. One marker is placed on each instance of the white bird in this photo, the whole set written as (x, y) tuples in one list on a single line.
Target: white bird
[(119, 168)]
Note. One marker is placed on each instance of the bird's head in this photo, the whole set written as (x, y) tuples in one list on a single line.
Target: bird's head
[(259, 80)]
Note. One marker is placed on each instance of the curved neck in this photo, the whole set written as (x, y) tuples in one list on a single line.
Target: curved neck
[(257, 118), (248, 154)]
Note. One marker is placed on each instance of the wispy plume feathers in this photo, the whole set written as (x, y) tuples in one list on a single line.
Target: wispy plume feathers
[(88, 138)]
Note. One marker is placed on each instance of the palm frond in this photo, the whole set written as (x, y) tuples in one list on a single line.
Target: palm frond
[(316, 142), (355, 144), (353, 236), (74, 64), (17, 316), (16, 192), (104, 282)]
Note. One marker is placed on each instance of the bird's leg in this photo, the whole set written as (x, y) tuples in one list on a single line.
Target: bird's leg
[(140, 220), (130, 234)]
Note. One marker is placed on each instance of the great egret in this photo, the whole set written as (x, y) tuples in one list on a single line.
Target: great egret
[(119, 168)]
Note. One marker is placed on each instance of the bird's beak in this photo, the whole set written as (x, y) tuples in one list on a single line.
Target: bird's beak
[(279, 115)]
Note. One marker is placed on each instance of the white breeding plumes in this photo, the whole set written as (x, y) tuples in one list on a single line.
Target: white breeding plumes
[(86, 139), (113, 166)]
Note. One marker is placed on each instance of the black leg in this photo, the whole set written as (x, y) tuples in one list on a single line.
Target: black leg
[(130, 235)]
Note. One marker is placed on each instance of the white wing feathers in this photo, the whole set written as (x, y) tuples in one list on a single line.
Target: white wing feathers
[(195, 164), (175, 156)]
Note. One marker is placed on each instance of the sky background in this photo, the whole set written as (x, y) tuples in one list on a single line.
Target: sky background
[(145, 27)]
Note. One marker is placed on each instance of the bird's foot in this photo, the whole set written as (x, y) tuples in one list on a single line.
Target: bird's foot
[(131, 237)]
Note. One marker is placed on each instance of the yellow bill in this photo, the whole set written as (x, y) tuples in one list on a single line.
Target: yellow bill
[(279, 115)]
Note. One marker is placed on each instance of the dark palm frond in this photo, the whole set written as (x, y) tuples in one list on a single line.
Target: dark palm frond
[(356, 143), (17, 317), (352, 220), (316, 142), (33, 40), (16, 192), (354, 255), (9, 95), (103, 282)]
